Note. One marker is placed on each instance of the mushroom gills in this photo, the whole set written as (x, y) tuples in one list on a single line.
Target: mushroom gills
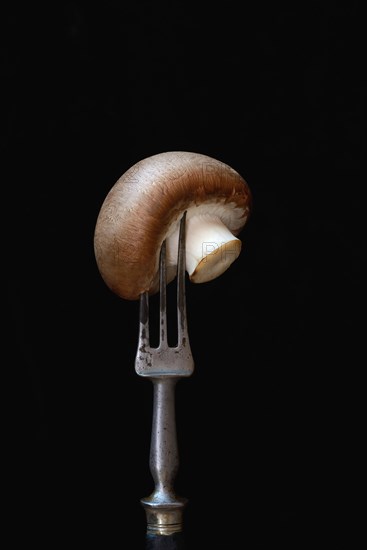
[(210, 248)]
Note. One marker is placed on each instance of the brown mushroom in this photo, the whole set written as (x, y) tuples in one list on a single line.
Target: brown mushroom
[(144, 208)]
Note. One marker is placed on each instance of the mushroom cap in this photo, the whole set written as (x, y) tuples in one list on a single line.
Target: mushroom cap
[(145, 206)]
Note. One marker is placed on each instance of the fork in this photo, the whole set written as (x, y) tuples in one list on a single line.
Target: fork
[(164, 366)]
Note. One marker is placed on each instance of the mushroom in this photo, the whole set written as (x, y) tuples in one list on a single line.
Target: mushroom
[(144, 208)]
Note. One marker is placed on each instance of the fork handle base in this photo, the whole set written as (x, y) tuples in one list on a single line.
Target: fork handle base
[(164, 519)]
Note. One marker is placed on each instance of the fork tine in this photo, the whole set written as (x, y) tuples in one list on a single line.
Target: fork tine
[(181, 299), (144, 321), (162, 297)]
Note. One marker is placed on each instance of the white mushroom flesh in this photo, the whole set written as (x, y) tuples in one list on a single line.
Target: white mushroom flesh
[(211, 247)]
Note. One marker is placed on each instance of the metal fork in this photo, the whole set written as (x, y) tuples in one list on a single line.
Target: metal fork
[(164, 366)]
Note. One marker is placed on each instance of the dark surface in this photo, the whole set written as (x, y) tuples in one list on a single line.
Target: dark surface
[(169, 542), (277, 92)]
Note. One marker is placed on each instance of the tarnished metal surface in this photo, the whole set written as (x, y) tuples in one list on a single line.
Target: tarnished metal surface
[(164, 366)]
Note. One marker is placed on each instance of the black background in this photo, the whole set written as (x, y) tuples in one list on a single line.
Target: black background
[(276, 91)]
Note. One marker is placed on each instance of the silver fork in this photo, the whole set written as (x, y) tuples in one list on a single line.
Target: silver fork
[(164, 366)]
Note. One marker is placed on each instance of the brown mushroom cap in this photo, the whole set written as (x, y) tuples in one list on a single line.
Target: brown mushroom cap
[(145, 206)]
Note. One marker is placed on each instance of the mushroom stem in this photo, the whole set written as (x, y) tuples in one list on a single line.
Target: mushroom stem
[(210, 248)]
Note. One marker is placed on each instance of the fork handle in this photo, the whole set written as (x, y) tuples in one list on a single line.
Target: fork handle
[(164, 509), (164, 459), (165, 542)]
